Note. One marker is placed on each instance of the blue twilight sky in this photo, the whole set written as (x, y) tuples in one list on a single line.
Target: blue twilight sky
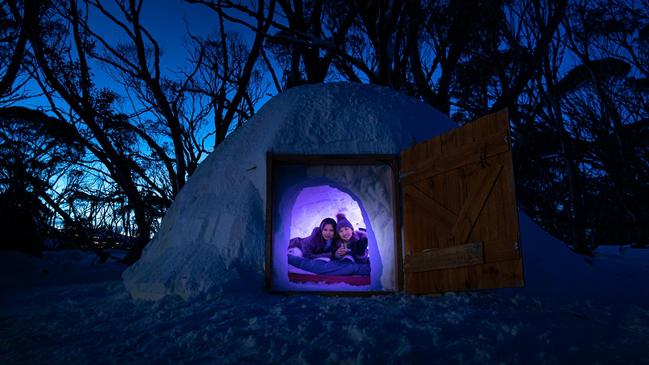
[(169, 22)]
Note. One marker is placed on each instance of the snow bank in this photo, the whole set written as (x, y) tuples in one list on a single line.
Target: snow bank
[(553, 270), (549, 265), (212, 237), (20, 270)]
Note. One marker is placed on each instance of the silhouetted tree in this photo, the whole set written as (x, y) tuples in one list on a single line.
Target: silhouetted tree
[(573, 74), (33, 155), (228, 74)]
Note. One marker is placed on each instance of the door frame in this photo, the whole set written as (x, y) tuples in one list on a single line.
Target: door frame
[(273, 161)]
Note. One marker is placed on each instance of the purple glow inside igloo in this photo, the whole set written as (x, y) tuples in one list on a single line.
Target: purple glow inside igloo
[(314, 204)]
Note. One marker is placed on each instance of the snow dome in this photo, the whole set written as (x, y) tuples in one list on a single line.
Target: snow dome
[(212, 238)]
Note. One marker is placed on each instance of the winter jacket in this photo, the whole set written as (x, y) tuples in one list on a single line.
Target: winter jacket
[(358, 245), (312, 246)]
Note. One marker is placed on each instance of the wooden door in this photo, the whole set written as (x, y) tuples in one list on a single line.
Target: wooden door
[(460, 217)]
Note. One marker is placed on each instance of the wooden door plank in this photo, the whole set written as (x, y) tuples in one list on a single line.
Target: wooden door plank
[(493, 143), (438, 212), (486, 276), (430, 167), (445, 258), (470, 211)]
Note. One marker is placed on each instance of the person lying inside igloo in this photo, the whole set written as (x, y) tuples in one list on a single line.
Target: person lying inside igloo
[(332, 251)]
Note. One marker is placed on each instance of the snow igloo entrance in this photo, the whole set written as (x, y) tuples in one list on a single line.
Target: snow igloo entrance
[(302, 192)]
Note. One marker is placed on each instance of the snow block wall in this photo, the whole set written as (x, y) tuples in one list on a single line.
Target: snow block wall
[(212, 237)]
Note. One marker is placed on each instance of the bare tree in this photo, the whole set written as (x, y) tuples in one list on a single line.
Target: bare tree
[(600, 88), (228, 72), (14, 16), (64, 70)]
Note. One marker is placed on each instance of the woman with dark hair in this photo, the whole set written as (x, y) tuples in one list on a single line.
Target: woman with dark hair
[(319, 243)]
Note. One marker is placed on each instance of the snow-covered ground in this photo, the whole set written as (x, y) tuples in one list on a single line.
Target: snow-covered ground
[(68, 309)]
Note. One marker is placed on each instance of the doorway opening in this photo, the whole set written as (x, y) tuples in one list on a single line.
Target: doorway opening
[(302, 198)]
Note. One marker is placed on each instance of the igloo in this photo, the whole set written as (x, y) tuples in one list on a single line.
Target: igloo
[(215, 236)]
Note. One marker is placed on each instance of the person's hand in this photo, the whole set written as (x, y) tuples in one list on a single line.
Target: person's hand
[(341, 251)]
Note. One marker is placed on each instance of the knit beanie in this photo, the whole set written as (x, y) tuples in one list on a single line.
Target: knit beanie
[(343, 222)]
